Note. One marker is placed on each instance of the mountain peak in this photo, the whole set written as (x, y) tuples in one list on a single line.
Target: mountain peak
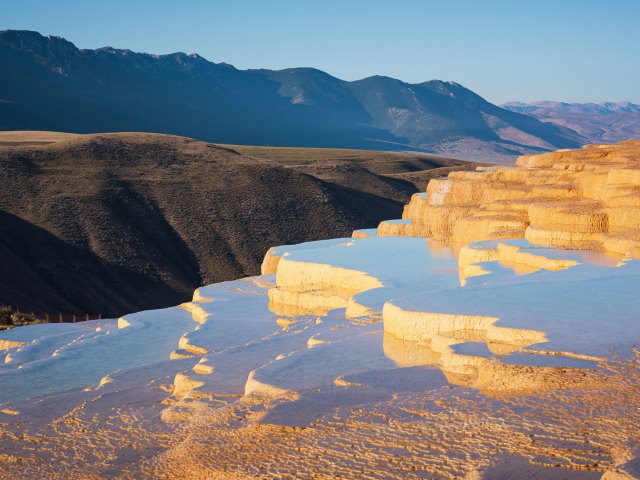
[(35, 42)]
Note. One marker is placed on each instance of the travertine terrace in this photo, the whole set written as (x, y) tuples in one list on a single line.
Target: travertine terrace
[(488, 334), (585, 199)]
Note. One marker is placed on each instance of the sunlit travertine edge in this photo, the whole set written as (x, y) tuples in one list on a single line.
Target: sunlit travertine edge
[(568, 199)]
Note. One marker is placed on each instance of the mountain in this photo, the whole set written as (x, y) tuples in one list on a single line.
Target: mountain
[(605, 122), (49, 84), (114, 223)]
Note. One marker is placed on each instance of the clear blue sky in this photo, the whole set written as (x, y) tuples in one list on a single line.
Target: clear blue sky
[(568, 50)]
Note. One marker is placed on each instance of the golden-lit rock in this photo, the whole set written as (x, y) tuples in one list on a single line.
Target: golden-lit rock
[(8, 344), (123, 323), (183, 385), (574, 199), (270, 262), (198, 313), (305, 288)]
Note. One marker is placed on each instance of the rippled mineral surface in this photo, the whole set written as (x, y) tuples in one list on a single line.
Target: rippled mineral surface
[(490, 333)]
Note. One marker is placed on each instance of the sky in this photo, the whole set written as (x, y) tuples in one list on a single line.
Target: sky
[(575, 51)]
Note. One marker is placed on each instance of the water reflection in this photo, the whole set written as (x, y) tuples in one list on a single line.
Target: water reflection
[(529, 316), (490, 368)]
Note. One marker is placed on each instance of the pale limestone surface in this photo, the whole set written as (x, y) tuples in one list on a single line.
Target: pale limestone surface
[(386, 356)]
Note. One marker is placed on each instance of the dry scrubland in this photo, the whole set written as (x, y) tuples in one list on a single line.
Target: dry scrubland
[(349, 167)]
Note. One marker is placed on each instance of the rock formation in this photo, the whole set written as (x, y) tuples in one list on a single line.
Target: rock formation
[(581, 199)]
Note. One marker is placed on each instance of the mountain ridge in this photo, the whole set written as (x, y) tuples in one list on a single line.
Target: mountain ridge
[(605, 107), (53, 85), (603, 122)]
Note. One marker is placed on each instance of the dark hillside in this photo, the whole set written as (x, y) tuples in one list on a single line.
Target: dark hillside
[(113, 223)]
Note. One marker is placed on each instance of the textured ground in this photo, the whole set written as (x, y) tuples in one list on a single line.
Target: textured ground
[(233, 385), (441, 434), (586, 199)]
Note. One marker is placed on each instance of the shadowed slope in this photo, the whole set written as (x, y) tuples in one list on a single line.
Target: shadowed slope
[(119, 222)]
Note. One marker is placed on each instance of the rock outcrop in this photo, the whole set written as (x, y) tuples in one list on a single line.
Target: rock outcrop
[(578, 199)]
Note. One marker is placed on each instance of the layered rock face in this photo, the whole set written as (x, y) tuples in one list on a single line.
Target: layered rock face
[(579, 199)]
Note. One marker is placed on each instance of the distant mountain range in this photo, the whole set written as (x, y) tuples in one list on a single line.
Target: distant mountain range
[(46, 83), (605, 122)]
